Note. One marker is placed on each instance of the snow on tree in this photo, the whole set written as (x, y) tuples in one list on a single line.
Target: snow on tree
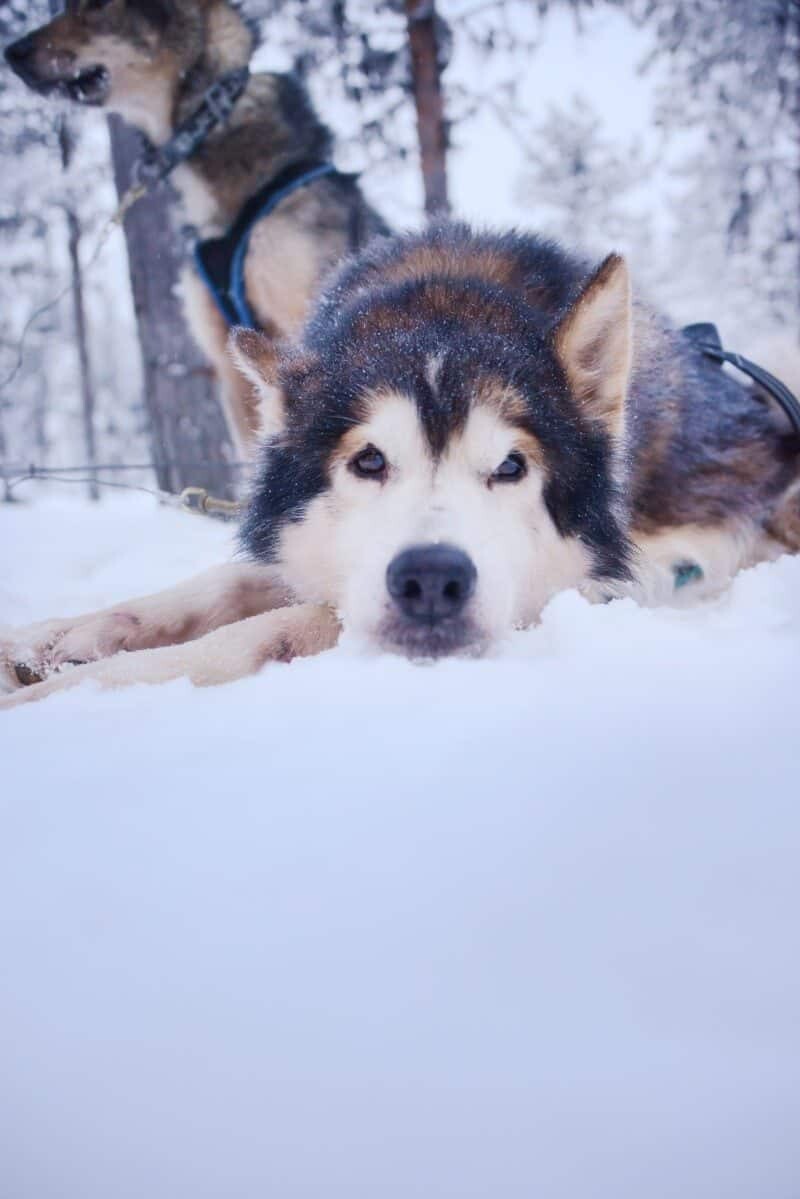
[(41, 417), (580, 186), (734, 83), (721, 157)]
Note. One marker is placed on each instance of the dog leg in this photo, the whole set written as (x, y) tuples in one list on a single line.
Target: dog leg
[(217, 597), (210, 331), (220, 657)]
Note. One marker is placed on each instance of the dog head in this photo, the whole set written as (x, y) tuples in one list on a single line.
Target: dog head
[(130, 55), (443, 460)]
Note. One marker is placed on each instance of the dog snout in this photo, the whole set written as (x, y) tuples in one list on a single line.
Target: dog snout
[(430, 583), (20, 54)]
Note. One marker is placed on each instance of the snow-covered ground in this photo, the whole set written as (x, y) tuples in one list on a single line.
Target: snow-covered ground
[(524, 927)]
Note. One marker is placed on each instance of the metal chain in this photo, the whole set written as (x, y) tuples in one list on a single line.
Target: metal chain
[(32, 469), (218, 103), (195, 500), (191, 499)]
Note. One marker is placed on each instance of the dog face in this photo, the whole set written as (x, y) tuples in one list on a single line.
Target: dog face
[(126, 55), (438, 481), (432, 553)]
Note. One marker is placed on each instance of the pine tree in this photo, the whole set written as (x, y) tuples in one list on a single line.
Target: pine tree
[(578, 183), (734, 79)]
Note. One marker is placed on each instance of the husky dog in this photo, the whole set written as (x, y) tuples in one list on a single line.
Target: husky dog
[(470, 424), (153, 62)]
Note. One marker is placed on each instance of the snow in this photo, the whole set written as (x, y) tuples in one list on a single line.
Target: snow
[(525, 926)]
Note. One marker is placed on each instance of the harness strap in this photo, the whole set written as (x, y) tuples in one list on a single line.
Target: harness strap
[(220, 260), (215, 108), (707, 339)]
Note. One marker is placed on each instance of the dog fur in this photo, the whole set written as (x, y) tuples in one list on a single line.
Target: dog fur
[(486, 405), (151, 61)]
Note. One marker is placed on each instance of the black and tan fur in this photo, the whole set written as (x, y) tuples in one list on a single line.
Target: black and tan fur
[(636, 453), (685, 444), (152, 61)]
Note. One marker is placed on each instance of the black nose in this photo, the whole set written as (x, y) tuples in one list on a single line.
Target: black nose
[(431, 582), (17, 52)]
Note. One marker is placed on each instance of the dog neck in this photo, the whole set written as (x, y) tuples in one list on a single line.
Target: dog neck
[(228, 48), (267, 130), (270, 128)]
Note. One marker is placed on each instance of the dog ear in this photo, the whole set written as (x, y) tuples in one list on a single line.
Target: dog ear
[(256, 357), (594, 344)]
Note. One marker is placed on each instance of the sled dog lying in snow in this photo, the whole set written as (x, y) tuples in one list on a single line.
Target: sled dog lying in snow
[(469, 424), (156, 62)]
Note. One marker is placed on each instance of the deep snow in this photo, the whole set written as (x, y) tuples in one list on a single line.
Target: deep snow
[(524, 927)]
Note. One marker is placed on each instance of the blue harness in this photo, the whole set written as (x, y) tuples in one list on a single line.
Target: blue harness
[(220, 260)]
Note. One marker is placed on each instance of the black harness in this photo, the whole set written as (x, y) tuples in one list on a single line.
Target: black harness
[(707, 339), (220, 260)]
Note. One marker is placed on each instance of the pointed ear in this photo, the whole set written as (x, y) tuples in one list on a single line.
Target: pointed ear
[(256, 357), (594, 344)]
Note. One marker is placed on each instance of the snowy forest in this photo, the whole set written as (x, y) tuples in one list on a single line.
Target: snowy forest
[(667, 129), (518, 923)]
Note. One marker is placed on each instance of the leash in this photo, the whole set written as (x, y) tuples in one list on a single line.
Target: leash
[(198, 501), (156, 165), (706, 337), (194, 500)]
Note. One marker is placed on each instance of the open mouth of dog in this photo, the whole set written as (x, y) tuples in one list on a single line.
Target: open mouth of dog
[(89, 85), (58, 74)]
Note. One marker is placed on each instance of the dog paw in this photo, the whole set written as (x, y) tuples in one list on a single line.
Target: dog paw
[(29, 656), (23, 656)]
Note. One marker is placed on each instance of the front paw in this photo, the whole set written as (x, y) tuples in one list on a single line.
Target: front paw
[(25, 656), (29, 656)]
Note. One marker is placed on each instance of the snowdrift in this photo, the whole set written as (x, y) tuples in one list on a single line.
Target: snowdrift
[(520, 927)]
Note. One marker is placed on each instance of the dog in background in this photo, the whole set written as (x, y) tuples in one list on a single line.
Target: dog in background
[(470, 424), (153, 62)]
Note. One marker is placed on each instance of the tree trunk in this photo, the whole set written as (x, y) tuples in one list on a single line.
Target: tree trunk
[(189, 439), (67, 146), (81, 336), (427, 85), (8, 495)]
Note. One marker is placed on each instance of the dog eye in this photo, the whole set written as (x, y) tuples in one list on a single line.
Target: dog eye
[(369, 464), (510, 470)]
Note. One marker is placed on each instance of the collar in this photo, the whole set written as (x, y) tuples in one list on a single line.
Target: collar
[(218, 102)]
